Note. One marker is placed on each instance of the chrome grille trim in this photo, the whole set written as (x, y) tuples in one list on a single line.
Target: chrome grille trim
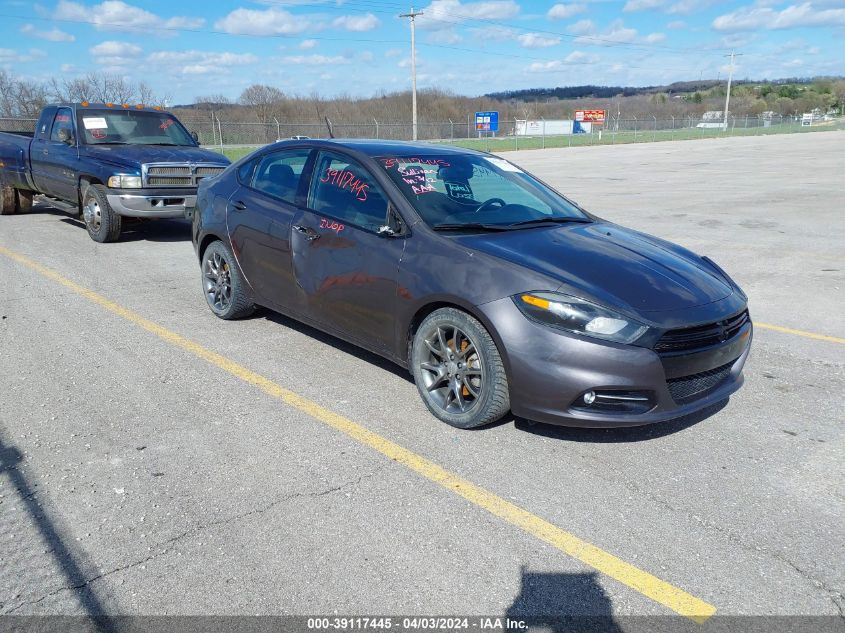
[(178, 174)]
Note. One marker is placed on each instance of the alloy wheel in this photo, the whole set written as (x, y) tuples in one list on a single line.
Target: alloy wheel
[(451, 369), (217, 281)]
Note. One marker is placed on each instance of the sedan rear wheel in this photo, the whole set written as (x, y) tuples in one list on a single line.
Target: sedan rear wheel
[(458, 370), (222, 283)]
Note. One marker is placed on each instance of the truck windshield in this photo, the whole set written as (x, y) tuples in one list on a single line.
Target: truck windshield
[(131, 127), (451, 191)]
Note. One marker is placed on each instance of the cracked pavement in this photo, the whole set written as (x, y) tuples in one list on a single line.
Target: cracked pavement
[(137, 479)]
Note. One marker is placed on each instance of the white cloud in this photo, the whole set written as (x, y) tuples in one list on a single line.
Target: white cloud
[(794, 16), (308, 44), (448, 36), (581, 27), (580, 57), (356, 23), (115, 15), (442, 14), (393, 52), (315, 60), (814, 50), (563, 11), (537, 40), (199, 62), (545, 67), (272, 21), (493, 33), (685, 7), (643, 5), (9, 56), (654, 38), (53, 35), (676, 24), (617, 33), (115, 54)]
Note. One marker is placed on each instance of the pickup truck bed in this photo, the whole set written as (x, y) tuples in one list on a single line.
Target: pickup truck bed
[(105, 162)]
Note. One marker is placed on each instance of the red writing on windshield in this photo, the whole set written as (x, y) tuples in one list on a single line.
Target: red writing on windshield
[(166, 123), (345, 179)]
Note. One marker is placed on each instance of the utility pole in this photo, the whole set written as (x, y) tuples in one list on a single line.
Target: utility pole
[(728, 96), (412, 15)]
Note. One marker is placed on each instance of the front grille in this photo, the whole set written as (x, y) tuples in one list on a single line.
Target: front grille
[(181, 175), (688, 388), (701, 336)]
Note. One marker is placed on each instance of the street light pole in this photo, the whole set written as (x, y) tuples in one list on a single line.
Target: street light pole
[(412, 15), (728, 96)]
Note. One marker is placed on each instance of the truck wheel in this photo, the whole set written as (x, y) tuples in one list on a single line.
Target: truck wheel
[(102, 222), (24, 201), (7, 200)]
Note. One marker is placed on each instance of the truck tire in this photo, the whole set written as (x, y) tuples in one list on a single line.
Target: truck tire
[(102, 222), (23, 201), (7, 200)]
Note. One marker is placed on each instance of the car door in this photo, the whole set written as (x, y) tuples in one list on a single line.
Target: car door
[(345, 267), (259, 215), (54, 162)]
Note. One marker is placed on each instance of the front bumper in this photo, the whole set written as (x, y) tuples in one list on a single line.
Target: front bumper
[(549, 371), (153, 204)]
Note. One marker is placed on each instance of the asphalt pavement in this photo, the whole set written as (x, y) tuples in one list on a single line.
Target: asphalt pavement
[(147, 469)]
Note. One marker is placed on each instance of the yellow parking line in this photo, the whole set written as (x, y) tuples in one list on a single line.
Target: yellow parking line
[(789, 330), (658, 590)]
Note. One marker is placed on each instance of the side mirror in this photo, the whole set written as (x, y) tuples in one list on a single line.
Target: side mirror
[(196, 137), (394, 226), (65, 136)]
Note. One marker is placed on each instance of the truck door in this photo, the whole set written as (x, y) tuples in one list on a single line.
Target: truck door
[(54, 160)]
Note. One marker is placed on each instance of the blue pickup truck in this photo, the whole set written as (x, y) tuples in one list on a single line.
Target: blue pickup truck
[(105, 162)]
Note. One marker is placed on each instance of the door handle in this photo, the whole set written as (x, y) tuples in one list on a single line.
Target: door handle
[(309, 233), (238, 205), (46, 152)]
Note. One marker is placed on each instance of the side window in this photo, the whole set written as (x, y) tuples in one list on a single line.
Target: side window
[(277, 174), (245, 172), (343, 189), (63, 121)]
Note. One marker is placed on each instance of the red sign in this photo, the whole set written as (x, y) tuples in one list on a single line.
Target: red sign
[(591, 116)]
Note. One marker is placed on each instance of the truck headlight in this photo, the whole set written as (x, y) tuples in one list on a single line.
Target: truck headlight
[(579, 316), (125, 181)]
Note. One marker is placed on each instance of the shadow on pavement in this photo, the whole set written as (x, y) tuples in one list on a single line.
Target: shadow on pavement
[(54, 542), (562, 603), (627, 434)]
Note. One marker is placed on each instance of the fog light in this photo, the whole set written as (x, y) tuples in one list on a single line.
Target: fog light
[(590, 397)]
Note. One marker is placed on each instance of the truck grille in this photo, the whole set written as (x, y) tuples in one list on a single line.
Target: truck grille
[(178, 175), (688, 388), (691, 338)]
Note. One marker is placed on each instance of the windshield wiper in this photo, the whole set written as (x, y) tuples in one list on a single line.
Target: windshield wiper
[(551, 221), (470, 225)]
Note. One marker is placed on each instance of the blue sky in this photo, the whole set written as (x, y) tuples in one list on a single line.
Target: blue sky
[(361, 47)]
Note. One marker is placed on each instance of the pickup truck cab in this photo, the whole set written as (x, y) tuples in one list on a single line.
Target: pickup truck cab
[(106, 162)]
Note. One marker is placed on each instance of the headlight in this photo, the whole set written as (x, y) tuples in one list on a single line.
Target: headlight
[(125, 181), (579, 316)]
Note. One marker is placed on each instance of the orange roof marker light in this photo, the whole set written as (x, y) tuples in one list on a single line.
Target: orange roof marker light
[(109, 104), (84, 104), (125, 106), (140, 106), (157, 108)]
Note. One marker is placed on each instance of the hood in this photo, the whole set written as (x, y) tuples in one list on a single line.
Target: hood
[(136, 155), (615, 266)]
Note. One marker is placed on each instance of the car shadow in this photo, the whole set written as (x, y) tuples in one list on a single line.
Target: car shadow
[(145, 230), (561, 603), (50, 538), (620, 435)]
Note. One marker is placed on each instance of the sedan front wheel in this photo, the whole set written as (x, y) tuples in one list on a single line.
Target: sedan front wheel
[(222, 283), (458, 370)]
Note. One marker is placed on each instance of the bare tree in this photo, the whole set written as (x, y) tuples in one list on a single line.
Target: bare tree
[(20, 97), (263, 100)]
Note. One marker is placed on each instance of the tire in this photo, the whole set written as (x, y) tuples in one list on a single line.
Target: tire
[(7, 200), (23, 201), (222, 283), (465, 386), (102, 222)]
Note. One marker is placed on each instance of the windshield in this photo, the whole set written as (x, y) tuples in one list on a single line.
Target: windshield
[(453, 191), (131, 127)]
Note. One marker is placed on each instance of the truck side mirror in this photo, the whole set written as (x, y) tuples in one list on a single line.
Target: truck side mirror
[(196, 137), (66, 136)]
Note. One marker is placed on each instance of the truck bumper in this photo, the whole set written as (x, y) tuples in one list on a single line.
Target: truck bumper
[(153, 206)]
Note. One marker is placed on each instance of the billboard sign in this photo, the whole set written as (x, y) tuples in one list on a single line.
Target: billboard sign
[(590, 116), (486, 121)]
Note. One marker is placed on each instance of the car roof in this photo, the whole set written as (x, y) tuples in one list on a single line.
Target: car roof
[(106, 106), (379, 147)]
